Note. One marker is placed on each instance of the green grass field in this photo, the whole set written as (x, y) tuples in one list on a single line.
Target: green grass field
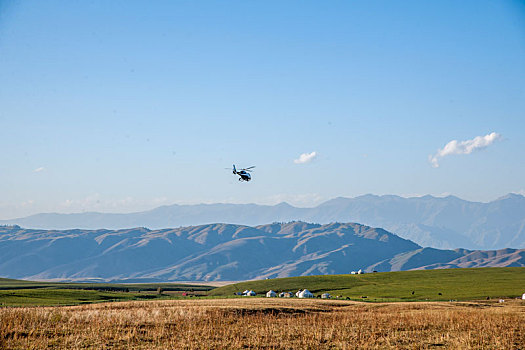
[(30, 293), (453, 284), (6, 283), (58, 297)]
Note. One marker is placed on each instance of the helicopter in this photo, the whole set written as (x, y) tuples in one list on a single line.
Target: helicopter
[(243, 173)]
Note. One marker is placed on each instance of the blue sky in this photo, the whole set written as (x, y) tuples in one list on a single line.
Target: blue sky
[(126, 105)]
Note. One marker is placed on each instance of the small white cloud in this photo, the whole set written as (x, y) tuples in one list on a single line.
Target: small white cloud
[(37, 170), (300, 200), (305, 158), (463, 147), (96, 202)]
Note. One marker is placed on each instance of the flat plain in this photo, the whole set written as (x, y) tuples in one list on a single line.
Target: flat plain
[(260, 323), (31, 293), (402, 310)]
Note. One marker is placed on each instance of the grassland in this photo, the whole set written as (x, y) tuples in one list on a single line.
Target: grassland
[(57, 297), (260, 323), (6, 283), (425, 285), (29, 293), (216, 322), (428, 285)]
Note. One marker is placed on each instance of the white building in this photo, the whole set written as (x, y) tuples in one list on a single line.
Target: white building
[(271, 294), (306, 294)]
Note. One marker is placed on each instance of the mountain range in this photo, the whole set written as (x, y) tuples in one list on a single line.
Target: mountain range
[(438, 222), (224, 252)]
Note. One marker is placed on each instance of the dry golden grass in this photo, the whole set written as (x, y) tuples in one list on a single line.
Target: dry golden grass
[(265, 324)]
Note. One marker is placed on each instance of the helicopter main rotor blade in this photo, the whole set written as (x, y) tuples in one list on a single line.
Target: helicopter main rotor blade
[(251, 167)]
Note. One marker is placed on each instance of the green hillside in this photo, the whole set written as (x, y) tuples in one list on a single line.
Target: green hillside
[(31, 293), (453, 284), (6, 283)]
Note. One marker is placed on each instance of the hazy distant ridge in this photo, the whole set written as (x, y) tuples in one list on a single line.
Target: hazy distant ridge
[(447, 222)]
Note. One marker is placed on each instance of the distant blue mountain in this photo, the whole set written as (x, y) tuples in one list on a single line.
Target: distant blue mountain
[(223, 252), (446, 223)]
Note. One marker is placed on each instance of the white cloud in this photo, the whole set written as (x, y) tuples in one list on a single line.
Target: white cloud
[(27, 203), (12, 209), (37, 170), (463, 147), (96, 202), (305, 158), (93, 202), (299, 200)]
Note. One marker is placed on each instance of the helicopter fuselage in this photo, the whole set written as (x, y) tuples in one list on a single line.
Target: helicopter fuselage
[(244, 175)]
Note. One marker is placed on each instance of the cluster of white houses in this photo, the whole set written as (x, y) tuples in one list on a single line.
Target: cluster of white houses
[(301, 293)]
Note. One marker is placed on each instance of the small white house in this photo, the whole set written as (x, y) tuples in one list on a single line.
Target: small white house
[(352, 273), (523, 296), (250, 293), (306, 294), (325, 296), (360, 272), (271, 294), (297, 293)]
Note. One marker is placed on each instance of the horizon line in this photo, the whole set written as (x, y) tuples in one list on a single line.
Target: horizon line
[(267, 205)]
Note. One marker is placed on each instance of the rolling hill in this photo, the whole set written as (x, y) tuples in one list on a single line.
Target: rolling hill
[(434, 285), (223, 252)]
